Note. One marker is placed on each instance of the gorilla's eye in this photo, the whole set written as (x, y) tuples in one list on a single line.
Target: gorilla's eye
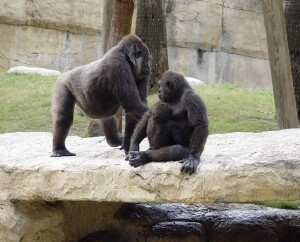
[(138, 54), (169, 84)]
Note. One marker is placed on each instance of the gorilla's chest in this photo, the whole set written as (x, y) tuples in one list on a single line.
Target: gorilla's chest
[(102, 105), (178, 112)]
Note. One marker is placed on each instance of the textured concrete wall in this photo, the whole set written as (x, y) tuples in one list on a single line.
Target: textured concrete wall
[(212, 40), (52, 34), (219, 41)]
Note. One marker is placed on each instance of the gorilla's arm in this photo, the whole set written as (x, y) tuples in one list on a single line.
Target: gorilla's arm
[(143, 89), (129, 98), (140, 132), (198, 120), (167, 153), (131, 122)]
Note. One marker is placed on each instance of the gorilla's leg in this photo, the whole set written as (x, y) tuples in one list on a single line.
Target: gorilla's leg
[(167, 153), (110, 128), (62, 114)]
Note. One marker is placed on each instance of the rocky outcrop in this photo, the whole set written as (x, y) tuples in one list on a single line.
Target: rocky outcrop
[(64, 221), (214, 223), (214, 41), (65, 199), (235, 167)]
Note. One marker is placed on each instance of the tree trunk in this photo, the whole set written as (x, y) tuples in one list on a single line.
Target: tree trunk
[(117, 20), (292, 18), (94, 127), (280, 64), (120, 26), (151, 28), (107, 16)]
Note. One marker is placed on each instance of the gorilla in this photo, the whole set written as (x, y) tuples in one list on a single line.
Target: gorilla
[(176, 126), (100, 88)]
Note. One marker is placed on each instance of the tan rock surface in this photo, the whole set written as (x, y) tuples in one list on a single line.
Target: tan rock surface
[(235, 167), (194, 24), (76, 16), (13, 12), (244, 33), (54, 49)]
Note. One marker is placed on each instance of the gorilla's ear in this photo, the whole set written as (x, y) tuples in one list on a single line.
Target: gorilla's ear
[(132, 52)]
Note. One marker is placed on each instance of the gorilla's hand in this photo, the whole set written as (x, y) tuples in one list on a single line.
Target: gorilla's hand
[(189, 165), (133, 147), (138, 158)]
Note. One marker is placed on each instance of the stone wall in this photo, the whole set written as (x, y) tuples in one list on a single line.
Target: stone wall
[(219, 41), (212, 40), (53, 34)]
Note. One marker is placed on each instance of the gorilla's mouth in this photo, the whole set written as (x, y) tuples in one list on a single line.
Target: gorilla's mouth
[(146, 71)]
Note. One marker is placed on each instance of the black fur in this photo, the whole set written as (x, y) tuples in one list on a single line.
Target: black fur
[(100, 88), (176, 126)]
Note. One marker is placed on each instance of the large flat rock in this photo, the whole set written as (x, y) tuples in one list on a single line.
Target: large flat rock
[(235, 167)]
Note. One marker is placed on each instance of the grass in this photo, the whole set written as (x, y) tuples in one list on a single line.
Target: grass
[(25, 105), (232, 109), (280, 204)]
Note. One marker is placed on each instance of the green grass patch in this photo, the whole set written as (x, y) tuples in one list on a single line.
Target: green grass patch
[(25, 105), (280, 204), (233, 109)]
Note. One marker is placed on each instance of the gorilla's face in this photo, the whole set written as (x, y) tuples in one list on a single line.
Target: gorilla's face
[(139, 58), (170, 87), (165, 91), (143, 63)]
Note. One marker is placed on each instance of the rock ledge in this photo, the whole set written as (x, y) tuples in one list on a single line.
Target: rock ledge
[(236, 167)]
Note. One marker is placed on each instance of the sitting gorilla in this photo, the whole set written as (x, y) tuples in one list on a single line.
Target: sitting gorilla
[(176, 126), (100, 88)]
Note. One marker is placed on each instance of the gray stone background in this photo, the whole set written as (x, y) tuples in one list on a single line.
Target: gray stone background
[(215, 41)]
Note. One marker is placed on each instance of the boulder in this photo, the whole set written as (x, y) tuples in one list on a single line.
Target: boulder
[(194, 81), (210, 222), (34, 70), (82, 197), (235, 167), (87, 221)]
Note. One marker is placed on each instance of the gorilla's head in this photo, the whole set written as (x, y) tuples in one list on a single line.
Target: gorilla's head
[(171, 86), (137, 54)]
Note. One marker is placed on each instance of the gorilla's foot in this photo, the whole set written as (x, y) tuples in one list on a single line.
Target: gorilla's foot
[(59, 153), (115, 142)]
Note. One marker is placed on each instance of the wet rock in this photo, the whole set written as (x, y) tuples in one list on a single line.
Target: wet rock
[(104, 236), (214, 223)]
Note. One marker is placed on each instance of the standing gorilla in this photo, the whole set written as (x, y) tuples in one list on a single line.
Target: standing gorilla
[(176, 126), (99, 89)]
